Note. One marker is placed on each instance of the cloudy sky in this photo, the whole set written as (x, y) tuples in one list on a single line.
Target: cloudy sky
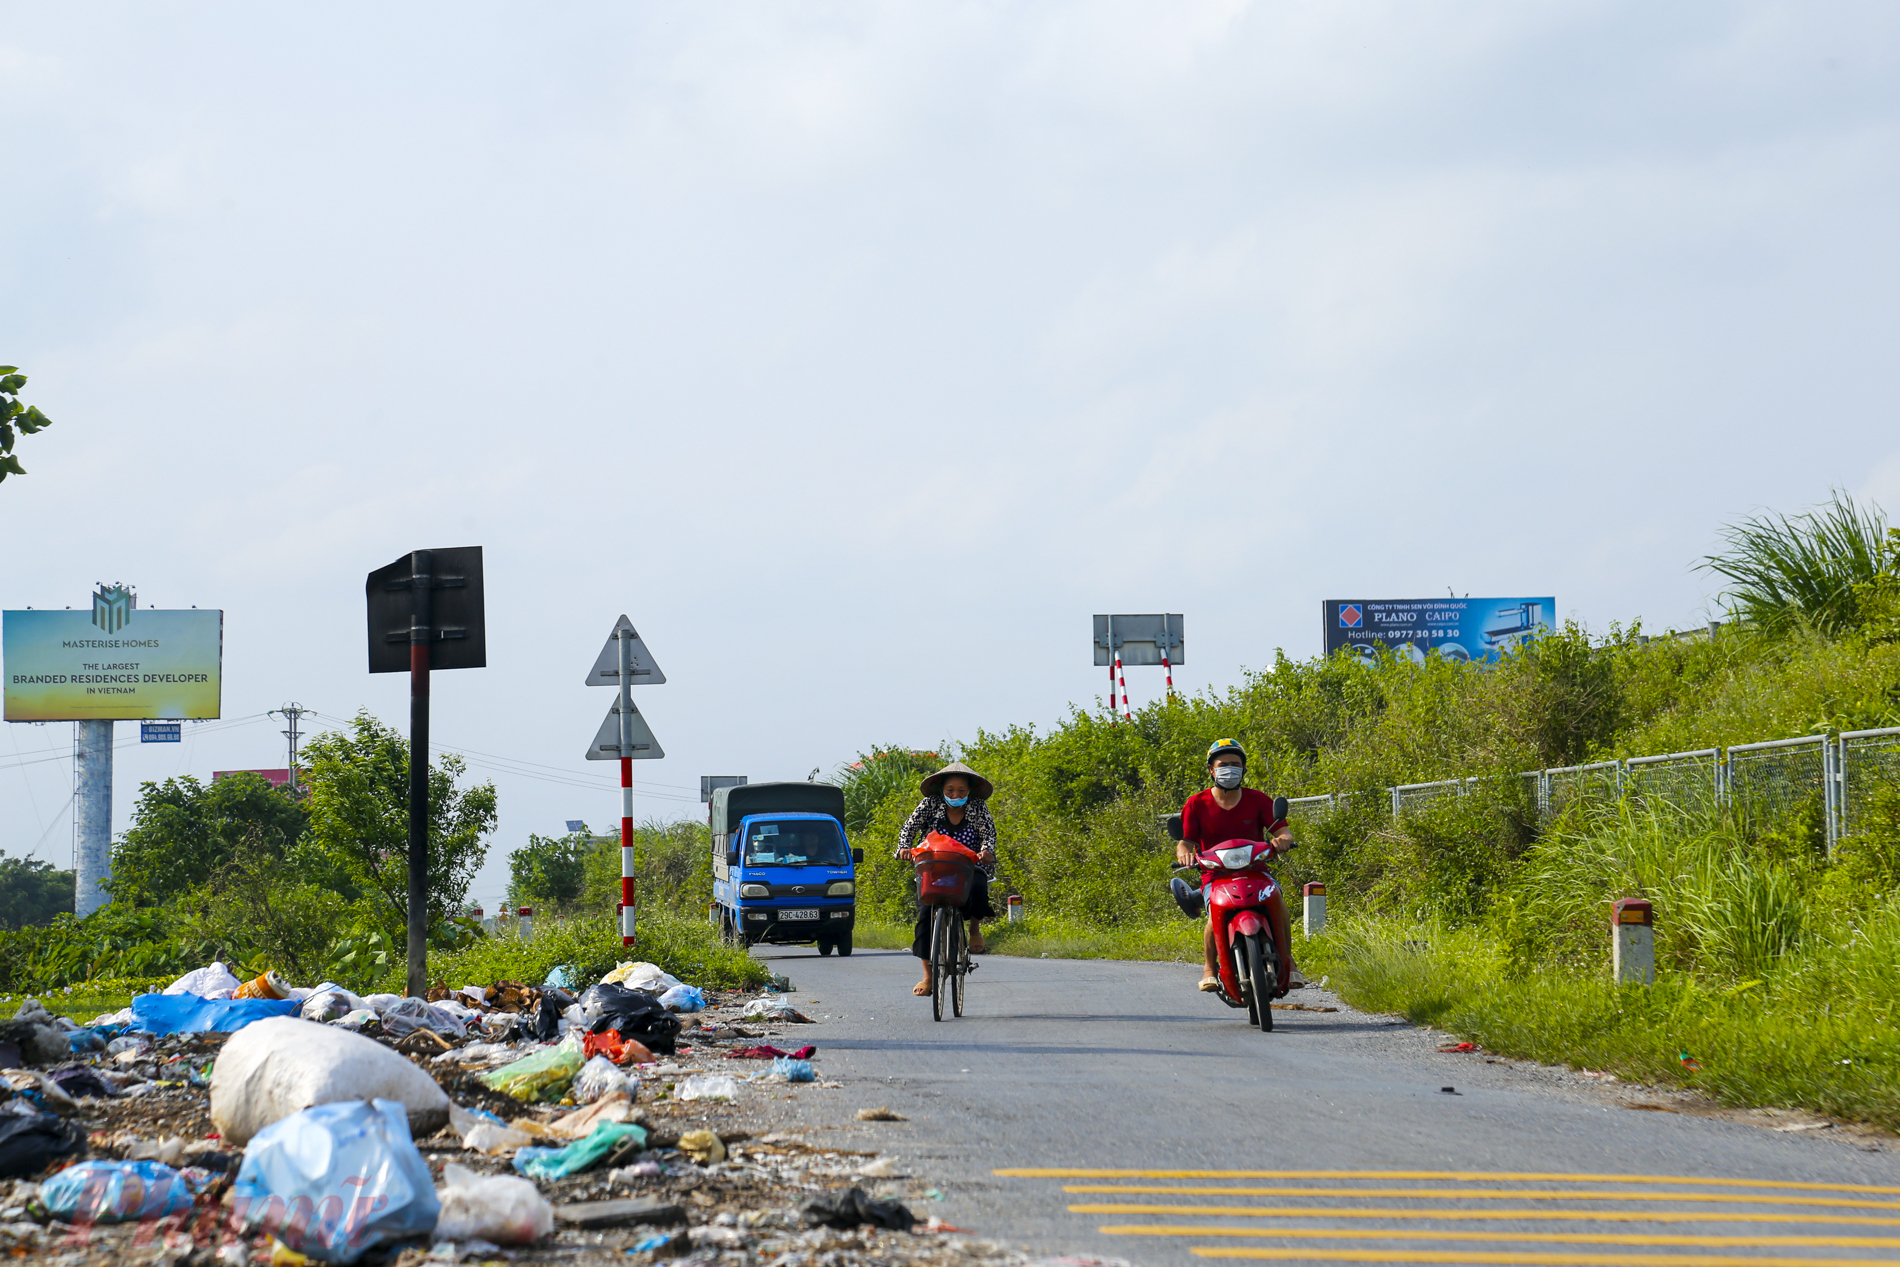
[(861, 352)]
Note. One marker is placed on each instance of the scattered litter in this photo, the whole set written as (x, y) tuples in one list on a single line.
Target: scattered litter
[(614, 1107), (1803, 1126), (79, 1081), (115, 1192), (267, 986), (855, 1207), (498, 1208), (779, 983), (627, 1211), (881, 1168), (410, 1015), (599, 1077), (880, 1115), (707, 1086), (684, 998), (633, 1014), (213, 981), (703, 1147), (769, 1053), (193, 1014), (1460, 1047), (559, 979), (642, 976), (1448, 1090), (1300, 1007), (29, 1143), (608, 1139), (495, 1141), (356, 1157), (1688, 1061), (792, 1070), (280, 1066), (665, 1245), (545, 1075), (935, 1224), (768, 1008), (170, 1151)]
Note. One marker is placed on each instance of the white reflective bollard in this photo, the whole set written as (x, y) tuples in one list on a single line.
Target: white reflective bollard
[(1313, 912), (1013, 906), (1633, 941), (527, 923)]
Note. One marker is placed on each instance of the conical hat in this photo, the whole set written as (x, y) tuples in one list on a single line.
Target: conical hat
[(980, 787)]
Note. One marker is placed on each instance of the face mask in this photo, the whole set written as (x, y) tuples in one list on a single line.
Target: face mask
[(956, 802), (1227, 776)]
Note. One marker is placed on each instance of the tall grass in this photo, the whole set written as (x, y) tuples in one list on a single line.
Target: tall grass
[(1807, 570)]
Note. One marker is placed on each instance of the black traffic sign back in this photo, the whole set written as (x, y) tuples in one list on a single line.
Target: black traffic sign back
[(458, 638)]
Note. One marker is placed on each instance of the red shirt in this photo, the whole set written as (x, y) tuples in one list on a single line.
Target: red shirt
[(1205, 823)]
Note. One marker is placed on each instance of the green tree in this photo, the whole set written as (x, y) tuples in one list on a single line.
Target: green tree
[(549, 871), (16, 418), (183, 831), (359, 823), (31, 892)]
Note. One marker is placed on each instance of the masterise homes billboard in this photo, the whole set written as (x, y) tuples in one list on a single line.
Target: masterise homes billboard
[(1456, 628), (113, 663)]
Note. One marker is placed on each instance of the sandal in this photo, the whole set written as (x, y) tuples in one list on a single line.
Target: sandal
[(978, 946), (1210, 983), (921, 989)]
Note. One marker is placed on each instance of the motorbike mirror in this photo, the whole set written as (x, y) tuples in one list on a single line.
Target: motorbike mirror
[(1173, 825), (1279, 809)]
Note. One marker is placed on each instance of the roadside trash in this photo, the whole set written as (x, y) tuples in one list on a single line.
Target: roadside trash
[(85, 1040), (355, 1159), (768, 1008), (29, 1143), (407, 1016), (78, 1080), (10, 1057), (38, 1044), (684, 998), (621, 1051), (598, 1077), (213, 981), (639, 1170), (642, 976), (663, 1245), (495, 1141), (615, 1107), (769, 1053), (139, 1043), (855, 1207), (1448, 1090), (281, 1066), (703, 1147), (880, 1115), (543, 1076), (330, 1002), (706, 1086), (607, 1139), (115, 1192), (792, 1070), (1688, 1061), (558, 978), (633, 1014), (882, 1168), (380, 1003), (267, 986), (547, 1020), (498, 1208), (1460, 1047), (40, 1091), (169, 1151), (592, 1215), (193, 1014)]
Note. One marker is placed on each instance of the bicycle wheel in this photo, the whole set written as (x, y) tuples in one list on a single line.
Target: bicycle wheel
[(939, 960), (959, 962), (1260, 981)]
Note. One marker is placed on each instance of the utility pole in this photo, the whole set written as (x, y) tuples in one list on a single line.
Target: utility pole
[(291, 713)]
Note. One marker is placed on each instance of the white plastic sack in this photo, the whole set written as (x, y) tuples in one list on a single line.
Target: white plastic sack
[(504, 1209), (273, 1068), (495, 1141), (380, 1003), (329, 1003), (642, 976), (213, 981), (707, 1086), (597, 1078), (334, 1180), (410, 1015)]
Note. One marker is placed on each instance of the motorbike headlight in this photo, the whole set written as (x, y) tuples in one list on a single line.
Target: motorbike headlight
[(755, 890), (840, 888), (1236, 858)]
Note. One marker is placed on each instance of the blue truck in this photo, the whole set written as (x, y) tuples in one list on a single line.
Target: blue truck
[(783, 870)]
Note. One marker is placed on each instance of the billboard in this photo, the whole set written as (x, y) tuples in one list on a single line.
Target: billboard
[(1456, 628), (116, 662)]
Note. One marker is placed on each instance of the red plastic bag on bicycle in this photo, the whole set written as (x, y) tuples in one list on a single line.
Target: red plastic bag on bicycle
[(945, 870)]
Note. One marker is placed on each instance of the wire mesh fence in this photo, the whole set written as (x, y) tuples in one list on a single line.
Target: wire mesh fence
[(1869, 762)]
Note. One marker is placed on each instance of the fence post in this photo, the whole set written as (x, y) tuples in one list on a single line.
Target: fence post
[(1395, 802), (1313, 914), (1833, 753), (1633, 941)]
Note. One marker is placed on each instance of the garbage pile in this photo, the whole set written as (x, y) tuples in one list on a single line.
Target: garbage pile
[(231, 1121)]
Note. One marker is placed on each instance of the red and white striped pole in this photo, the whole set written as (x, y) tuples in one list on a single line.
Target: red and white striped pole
[(1168, 669), (1124, 683), (623, 638)]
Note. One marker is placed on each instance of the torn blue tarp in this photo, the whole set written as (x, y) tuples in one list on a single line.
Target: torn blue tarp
[(189, 1014)]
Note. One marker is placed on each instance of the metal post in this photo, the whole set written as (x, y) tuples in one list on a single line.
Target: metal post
[(623, 640), (1831, 753), (421, 632), (1114, 708), (92, 860), (292, 713)]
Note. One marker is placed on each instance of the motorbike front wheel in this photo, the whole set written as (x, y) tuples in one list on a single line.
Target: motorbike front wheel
[(1259, 982), (1248, 994)]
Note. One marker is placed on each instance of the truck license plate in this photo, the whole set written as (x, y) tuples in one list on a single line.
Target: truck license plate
[(805, 912)]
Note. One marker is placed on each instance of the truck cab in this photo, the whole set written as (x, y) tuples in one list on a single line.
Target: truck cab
[(783, 870)]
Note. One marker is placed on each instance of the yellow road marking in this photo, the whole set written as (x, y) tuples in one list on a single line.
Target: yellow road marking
[(1305, 1254), (1488, 1194), (1468, 1176), (1532, 1216), (1541, 1238)]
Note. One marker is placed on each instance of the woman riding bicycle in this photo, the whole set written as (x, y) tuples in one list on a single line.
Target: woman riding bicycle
[(953, 805)]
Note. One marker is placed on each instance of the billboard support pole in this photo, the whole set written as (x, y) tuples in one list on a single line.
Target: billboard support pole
[(623, 639), (420, 636), (93, 863)]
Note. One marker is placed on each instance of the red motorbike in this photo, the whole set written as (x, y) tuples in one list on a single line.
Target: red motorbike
[(1255, 960)]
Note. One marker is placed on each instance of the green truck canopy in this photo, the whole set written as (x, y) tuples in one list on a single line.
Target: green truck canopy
[(730, 804)]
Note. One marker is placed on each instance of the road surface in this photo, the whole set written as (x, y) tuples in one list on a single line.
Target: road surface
[(1068, 1067)]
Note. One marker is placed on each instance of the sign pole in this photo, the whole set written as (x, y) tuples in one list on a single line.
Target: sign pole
[(420, 636), (623, 639), (93, 858)]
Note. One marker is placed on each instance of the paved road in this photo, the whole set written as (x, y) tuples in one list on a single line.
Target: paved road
[(1071, 1066)]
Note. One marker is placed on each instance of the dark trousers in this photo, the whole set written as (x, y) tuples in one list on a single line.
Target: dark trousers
[(978, 907)]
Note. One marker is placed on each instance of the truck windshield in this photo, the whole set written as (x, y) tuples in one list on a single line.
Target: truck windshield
[(795, 843)]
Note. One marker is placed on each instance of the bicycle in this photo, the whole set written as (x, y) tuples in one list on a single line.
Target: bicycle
[(945, 870)]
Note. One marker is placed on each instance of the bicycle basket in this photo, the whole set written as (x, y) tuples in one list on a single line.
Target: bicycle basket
[(944, 882)]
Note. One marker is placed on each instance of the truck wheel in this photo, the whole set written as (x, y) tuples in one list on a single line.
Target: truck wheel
[(824, 946), (844, 944)]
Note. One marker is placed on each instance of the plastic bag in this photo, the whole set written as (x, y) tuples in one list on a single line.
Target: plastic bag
[(684, 998), (543, 1076), (498, 1208), (598, 1077), (494, 1140), (191, 1014), (621, 1051), (115, 1192), (767, 1008), (558, 1163), (707, 1086), (793, 1070), (29, 1143), (334, 1180), (854, 1207), (279, 1066), (632, 1014), (330, 1002), (410, 1015), (642, 976), (213, 981)]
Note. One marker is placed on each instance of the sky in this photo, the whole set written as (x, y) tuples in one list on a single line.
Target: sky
[(860, 353)]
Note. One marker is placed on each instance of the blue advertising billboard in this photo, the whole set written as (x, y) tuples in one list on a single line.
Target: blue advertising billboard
[(1456, 628)]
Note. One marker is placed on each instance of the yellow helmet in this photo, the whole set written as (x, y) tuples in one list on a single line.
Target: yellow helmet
[(1226, 745)]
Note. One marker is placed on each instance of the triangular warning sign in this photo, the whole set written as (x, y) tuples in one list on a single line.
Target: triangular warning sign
[(606, 670), (606, 745)]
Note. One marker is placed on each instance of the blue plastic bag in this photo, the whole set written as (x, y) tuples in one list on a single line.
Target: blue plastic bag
[(558, 978), (794, 1070), (684, 998), (189, 1014), (336, 1179), (115, 1192)]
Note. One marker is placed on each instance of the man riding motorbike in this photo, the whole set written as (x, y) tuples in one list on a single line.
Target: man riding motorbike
[(1227, 811), (954, 805)]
